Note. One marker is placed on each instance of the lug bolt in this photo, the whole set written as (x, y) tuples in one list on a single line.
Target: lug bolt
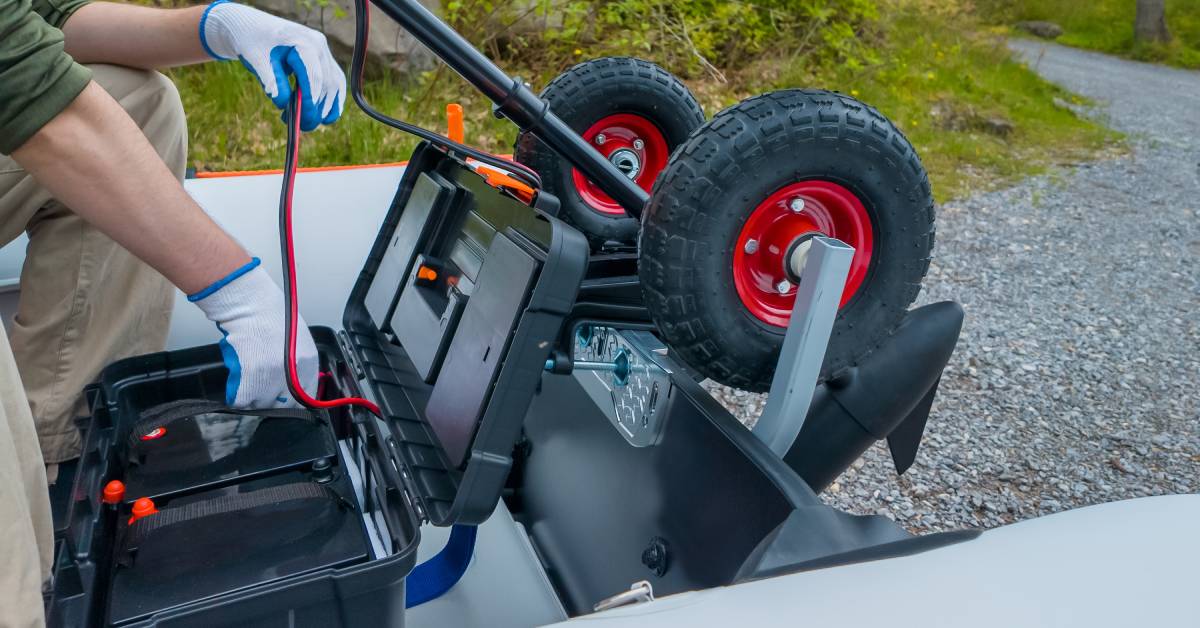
[(797, 205), (639, 144), (600, 138), (783, 286), (751, 247)]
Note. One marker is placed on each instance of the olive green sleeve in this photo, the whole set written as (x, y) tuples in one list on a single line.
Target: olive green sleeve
[(38, 79), (56, 12)]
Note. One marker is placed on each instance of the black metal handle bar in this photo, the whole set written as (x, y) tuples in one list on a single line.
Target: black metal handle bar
[(514, 101)]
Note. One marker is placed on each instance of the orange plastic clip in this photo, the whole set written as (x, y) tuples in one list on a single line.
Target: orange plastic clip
[(455, 129), (498, 179), (113, 493), (426, 273), (143, 507)]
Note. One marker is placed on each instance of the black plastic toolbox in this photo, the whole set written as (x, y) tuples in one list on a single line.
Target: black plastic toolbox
[(246, 568), (508, 277)]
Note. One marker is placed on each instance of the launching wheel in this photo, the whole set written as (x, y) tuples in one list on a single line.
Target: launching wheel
[(724, 236), (635, 113)]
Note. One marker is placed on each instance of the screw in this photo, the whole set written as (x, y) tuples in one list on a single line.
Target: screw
[(600, 139), (639, 144), (783, 286), (797, 205), (656, 557), (751, 247)]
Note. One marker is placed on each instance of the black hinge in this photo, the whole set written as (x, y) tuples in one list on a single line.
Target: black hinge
[(408, 485), (411, 493), (351, 355)]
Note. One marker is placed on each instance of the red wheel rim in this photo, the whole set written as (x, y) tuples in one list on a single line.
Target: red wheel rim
[(628, 139), (774, 228)]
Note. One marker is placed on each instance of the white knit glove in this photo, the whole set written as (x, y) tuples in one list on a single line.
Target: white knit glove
[(273, 48), (248, 309)]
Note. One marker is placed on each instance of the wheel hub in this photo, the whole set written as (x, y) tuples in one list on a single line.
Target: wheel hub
[(773, 245), (797, 256), (633, 144), (627, 161)]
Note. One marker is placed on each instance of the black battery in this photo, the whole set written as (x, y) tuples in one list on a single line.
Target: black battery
[(233, 539), (193, 444)]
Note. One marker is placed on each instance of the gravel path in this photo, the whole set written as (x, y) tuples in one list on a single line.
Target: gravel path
[(1076, 379)]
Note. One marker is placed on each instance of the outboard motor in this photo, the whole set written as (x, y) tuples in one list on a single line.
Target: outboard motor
[(888, 395)]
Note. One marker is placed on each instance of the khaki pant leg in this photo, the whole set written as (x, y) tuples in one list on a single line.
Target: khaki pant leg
[(26, 534), (85, 301)]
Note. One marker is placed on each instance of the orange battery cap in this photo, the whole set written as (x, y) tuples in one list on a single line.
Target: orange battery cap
[(143, 507), (114, 492)]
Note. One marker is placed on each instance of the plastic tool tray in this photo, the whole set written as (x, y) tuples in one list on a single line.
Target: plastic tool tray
[(314, 520)]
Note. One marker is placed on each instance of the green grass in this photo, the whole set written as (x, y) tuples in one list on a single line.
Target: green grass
[(941, 79), (232, 125), (1107, 26), (953, 90)]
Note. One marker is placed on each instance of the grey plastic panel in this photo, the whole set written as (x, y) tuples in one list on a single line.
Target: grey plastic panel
[(479, 346), (429, 195)]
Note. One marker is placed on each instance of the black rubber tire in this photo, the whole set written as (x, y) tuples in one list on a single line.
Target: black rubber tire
[(720, 176), (587, 93)]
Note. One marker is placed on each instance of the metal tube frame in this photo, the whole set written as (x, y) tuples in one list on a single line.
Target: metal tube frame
[(817, 299), (514, 100)]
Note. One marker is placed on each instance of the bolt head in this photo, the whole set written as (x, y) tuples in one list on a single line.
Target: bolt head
[(751, 247), (601, 138), (797, 205), (783, 286), (639, 144)]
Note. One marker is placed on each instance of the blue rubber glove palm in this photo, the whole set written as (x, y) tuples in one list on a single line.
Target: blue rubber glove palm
[(248, 309), (273, 49)]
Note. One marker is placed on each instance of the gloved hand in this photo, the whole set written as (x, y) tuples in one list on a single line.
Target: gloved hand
[(248, 309), (273, 48)]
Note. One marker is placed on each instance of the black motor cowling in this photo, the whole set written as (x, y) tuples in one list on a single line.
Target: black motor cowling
[(888, 395)]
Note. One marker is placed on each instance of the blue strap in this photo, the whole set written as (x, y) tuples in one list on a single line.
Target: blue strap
[(434, 577)]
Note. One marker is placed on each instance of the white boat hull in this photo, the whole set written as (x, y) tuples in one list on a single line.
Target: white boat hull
[(1122, 564)]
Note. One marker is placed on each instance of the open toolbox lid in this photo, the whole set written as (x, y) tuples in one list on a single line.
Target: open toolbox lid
[(449, 326)]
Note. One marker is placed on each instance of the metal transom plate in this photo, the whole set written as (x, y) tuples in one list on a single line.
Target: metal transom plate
[(634, 397)]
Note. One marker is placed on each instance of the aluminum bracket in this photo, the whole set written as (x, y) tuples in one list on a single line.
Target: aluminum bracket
[(818, 297)]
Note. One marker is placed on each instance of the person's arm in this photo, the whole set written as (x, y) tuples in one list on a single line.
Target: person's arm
[(95, 160), (135, 36), (271, 47)]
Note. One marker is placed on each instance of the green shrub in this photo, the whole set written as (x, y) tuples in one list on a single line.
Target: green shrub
[(691, 37)]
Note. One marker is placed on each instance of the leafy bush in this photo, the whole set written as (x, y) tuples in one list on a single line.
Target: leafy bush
[(692, 37)]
